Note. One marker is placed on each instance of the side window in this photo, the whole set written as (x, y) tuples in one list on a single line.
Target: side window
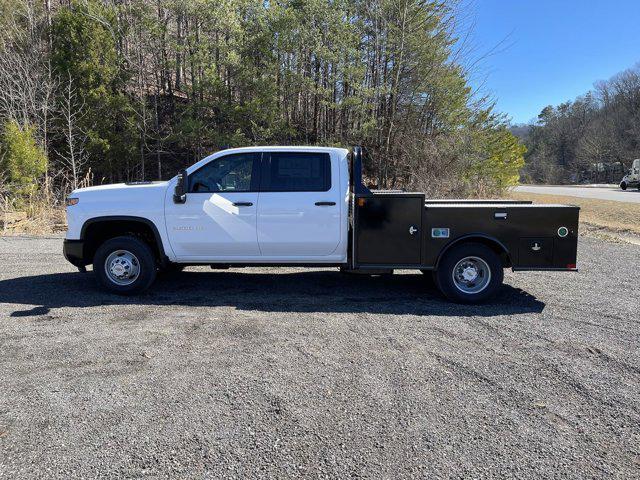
[(297, 172), (231, 173)]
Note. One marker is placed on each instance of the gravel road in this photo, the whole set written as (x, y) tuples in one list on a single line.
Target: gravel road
[(632, 195), (289, 373)]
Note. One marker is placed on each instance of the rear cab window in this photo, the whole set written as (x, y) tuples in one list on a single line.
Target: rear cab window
[(296, 172)]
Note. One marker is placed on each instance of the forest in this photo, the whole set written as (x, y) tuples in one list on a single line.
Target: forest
[(593, 138), (102, 91)]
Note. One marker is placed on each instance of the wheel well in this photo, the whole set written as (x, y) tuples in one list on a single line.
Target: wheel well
[(493, 244), (96, 232)]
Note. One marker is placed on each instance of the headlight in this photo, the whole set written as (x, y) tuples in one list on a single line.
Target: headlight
[(72, 201)]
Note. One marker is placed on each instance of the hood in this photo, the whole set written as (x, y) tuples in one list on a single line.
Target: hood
[(122, 187), (130, 196)]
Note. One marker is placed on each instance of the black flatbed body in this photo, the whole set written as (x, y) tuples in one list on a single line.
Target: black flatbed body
[(394, 229), (473, 201), (405, 230)]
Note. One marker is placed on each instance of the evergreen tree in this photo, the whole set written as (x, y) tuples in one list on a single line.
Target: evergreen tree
[(21, 158)]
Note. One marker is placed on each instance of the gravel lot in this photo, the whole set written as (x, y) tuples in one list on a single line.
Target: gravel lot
[(288, 373)]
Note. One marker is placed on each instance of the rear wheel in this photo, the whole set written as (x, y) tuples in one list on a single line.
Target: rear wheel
[(469, 273), (125, 265), (429, 277), (623, 186)]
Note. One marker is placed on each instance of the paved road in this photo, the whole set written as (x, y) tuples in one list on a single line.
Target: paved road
[(266, 373), (602, 193)]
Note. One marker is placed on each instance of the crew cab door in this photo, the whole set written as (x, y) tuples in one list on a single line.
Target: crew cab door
[(299, 205), (218, 219)]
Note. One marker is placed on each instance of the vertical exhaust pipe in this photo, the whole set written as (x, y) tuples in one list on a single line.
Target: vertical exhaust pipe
[(357, 187)]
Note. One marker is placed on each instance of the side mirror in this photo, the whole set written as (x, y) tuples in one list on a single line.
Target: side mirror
[(180, 192)]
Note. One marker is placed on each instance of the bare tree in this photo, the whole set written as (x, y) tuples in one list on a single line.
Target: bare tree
[(26, 81), (72, 111)]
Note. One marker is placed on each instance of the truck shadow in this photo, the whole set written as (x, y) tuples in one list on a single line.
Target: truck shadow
[(303, 291)]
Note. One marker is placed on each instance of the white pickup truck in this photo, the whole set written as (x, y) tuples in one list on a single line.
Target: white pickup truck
[(632, 179), (307, 206)]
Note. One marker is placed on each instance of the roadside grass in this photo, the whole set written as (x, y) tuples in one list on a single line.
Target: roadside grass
[(37, 220), (41, 212), (603, 218)]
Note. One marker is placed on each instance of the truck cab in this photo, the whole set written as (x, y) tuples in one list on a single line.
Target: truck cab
[(632, 179), (284, 205), (307, 206)]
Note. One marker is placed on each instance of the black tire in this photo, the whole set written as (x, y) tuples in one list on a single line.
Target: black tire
[(623, 186), (429, 277), (143, 257), (488, 284)]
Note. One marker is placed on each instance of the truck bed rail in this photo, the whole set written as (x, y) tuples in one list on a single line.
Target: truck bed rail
[(465, 201)]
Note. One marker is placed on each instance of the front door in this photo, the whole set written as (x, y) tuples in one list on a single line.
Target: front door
[(218, 219), (299, 205)]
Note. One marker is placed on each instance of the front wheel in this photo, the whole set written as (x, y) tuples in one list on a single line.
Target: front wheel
[(125, 265), (623, 186), (469, 273)]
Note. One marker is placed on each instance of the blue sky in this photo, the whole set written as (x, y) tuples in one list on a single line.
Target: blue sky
[(545, 52)]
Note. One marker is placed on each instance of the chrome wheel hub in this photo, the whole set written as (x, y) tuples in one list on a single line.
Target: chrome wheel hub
[(471, 275), (122, 267)]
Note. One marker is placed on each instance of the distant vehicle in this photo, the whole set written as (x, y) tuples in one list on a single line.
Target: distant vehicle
[(632, 179), (307, 206)]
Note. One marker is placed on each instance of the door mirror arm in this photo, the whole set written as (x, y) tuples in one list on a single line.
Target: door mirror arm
[(180, 192)]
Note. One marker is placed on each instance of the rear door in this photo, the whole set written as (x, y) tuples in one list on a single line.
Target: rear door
[(298, 205)]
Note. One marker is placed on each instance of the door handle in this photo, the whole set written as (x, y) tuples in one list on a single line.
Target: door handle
[(325, 204), (242, 204)]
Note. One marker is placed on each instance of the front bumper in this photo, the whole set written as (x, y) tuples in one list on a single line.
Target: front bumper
[(73, 251)]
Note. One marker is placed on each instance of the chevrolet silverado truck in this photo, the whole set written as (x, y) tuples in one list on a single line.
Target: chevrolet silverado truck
[(308, 206)]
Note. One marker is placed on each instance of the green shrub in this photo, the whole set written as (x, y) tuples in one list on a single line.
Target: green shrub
[(22, 160)]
